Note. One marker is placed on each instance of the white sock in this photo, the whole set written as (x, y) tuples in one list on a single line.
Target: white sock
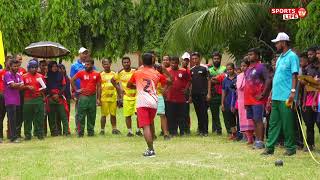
[(138, 130), (130, 131)]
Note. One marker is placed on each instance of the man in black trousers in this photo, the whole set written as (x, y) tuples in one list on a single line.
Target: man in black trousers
[(200, 92)]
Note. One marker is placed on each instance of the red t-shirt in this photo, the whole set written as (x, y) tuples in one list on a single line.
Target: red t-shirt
[(181, 79), (22, 71), (31, 80), (88, 82), (2, 72)]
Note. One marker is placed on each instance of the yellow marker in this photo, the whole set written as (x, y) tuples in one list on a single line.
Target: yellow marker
[(1, 51)]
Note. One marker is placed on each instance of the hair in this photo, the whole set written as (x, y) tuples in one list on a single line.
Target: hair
[(175, 59), (216, 53), (245, 61), (147, 59), (151, 52), (8, 58), (312, 48), (104, 60), (124, 58), (13, 61), (317, 48), (231, 65), (304, 55), (91, 61), (61, 66), (255, 50), (195, 54), (43, 62)]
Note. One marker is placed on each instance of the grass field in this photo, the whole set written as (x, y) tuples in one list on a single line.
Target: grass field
[(119, 157)]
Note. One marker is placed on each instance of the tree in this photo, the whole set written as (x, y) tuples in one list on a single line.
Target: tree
[(20, 23)]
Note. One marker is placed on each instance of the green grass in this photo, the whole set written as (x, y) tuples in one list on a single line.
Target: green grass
[(119, 157)]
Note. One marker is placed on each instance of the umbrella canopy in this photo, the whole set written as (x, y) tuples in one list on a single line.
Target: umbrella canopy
[(46, 49)]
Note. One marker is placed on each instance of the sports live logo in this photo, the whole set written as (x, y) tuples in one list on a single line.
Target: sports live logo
[(290, 13)]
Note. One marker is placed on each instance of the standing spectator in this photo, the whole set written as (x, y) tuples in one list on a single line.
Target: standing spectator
[(21, 72), (145, 80), (33, 108), (166, 61), (108, 97), (256, 93), (216, 91), (176, 98), (185, 64), (200, 92), (246, 124), (162, 92), (228, 91), (43, 70), (2, 103), (283, 93), (67, 95), (89, 98), (127, 95), (56, 103), (12, 84), (79, 65)]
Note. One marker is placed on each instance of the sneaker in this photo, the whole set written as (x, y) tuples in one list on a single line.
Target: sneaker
[(166, 137), (219, 133), (102, 133), (188, 132), (116, 132), (139, 133), (16, 141), (289, 153), (258, 145), (267, 152), (1, 140), (149, 153), (130, 134)]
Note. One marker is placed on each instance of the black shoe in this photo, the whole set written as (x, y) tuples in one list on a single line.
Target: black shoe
[(188, 132), (40, 137), (67, 134), (27, 138), (166, 137), (289, 153), (219, 133), (116, 132), (139, 133), (80, 135), (267, 152), (90, 135), (161, 133), (149, 153), (310, 147), (15, 141), (155, 137), (130, 134), (102, 133)]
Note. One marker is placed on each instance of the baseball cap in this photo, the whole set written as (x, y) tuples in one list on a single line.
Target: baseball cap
[(186, 55), (82, 50), (281, 37)]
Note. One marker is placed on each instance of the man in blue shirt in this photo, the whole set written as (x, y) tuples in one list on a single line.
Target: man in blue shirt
[(283, 94), (79, 65)]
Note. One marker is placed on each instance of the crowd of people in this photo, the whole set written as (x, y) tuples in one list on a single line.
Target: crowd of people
[(260, 102)]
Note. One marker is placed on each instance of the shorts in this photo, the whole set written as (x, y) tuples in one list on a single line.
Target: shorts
[(129, 108), (145, 116), (109, 108), (255, 112), (161, 106)]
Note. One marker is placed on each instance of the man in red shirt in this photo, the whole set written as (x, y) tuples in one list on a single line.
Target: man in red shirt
[(176, 98), (33, 108), (90, 95), (2, 104)]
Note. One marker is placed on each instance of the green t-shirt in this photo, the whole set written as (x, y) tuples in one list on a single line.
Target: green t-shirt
[(214, 72)]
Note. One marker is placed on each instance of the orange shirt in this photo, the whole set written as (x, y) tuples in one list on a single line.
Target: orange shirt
[(88, 82), (31, 80), (146, 80)]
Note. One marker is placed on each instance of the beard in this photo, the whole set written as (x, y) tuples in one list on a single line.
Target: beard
[(89, 69), (279, 51), (217, 64)]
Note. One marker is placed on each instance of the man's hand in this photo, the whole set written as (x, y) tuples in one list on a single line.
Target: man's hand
[(31, 88), (222, 107), (291, 97), (233, 110), (259, 97), (55, 97), (304, 108), (190, 99), (98, 102), (208, 97)]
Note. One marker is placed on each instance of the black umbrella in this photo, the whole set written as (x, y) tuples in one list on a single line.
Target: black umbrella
[(46, 49)]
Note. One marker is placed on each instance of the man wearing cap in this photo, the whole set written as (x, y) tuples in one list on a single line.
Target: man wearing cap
[(185, 65), (283, 93), (33, 108), (216, 75), (79, 65)]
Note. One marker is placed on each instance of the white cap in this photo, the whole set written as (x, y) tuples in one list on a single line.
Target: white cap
[(186, 55), (82, 50), (281, 37)]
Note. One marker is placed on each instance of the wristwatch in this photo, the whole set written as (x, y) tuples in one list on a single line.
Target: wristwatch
[(293, 90)]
